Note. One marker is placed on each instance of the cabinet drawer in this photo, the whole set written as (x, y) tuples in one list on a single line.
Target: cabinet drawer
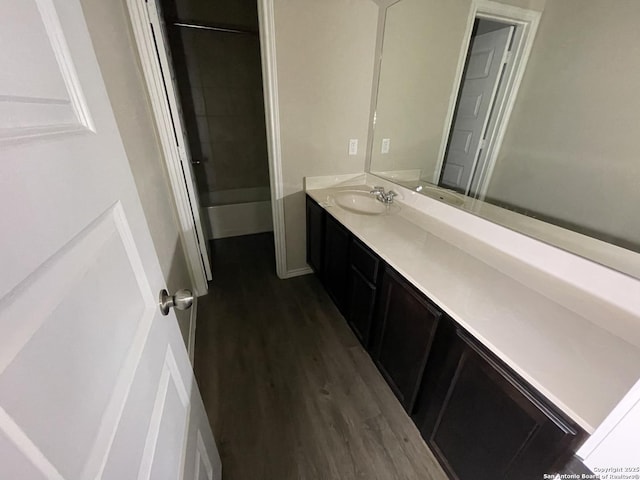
[(367, 262), (335, 268)]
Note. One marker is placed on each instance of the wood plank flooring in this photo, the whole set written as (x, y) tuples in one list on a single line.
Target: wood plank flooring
[(289, 391)]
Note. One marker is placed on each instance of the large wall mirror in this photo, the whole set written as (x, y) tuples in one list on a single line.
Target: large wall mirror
[(526, 112)]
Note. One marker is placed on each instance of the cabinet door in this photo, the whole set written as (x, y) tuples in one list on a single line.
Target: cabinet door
[(407, 322), (336, 262), (362, 299), (364, 280), (315, 235), (491, 426)]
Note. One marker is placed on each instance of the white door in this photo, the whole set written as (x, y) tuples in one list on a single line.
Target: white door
[(94, 381), (479, 88)]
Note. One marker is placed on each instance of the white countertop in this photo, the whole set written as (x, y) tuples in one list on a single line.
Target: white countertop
[(582, 368)]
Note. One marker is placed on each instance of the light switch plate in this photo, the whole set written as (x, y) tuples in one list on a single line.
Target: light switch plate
[(386, 142), (353, 146)]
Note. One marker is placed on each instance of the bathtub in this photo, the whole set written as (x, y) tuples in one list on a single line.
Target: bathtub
[(240, 211)]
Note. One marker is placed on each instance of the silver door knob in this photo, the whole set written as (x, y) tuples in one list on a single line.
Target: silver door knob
[(182, 300)]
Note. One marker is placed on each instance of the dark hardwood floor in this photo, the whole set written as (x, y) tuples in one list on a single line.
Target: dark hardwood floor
[(289, 391)]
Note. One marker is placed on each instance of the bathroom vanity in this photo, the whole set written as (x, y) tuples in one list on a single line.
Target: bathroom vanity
[(499, 379)]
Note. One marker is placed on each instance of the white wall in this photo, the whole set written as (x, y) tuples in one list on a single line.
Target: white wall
[(616, 443), (325, 53), (108, 23)]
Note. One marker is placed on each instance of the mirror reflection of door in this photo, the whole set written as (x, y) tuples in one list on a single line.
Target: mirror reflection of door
[(486, 62)]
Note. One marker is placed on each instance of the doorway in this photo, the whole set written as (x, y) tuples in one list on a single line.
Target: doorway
[(215, 50), (491, 68)]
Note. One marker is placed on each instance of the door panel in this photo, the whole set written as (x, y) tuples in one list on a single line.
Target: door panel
[(452, 174), (62, 341), (94, 382), (203, 468), (480, 61), (167, 418), (41, 97), (469, 106), (460, 141)]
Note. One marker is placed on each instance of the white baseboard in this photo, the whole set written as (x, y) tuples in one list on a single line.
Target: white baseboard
[(191, 346), (296, 272)]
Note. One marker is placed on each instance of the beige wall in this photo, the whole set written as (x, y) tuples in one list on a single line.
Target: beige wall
[(325, 52), (113, 42), (571, 149)]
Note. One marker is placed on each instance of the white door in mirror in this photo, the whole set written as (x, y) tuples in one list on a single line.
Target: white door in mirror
[(94, 381), (479, 87)]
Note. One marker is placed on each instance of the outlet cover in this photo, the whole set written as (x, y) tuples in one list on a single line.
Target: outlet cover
[(386, 142), (353, 146)]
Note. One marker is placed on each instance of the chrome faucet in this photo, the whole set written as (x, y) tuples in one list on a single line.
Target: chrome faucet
[(384, 197)]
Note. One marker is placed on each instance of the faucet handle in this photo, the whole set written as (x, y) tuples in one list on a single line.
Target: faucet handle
[(377, 190), (391, 194)]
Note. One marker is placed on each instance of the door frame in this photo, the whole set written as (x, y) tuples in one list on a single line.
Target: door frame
[(267, 31), (153, 76), (526, 22)]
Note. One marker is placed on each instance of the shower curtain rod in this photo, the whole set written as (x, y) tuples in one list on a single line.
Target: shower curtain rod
[(215, 28)]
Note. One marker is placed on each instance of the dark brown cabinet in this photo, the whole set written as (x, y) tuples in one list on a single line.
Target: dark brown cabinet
[(315, 235), (364, 277), (406, 323), (336, 262), (480, 419), (487, 423)]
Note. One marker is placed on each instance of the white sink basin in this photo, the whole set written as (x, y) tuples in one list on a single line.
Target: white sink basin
[(450, 197), (358, 201)]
